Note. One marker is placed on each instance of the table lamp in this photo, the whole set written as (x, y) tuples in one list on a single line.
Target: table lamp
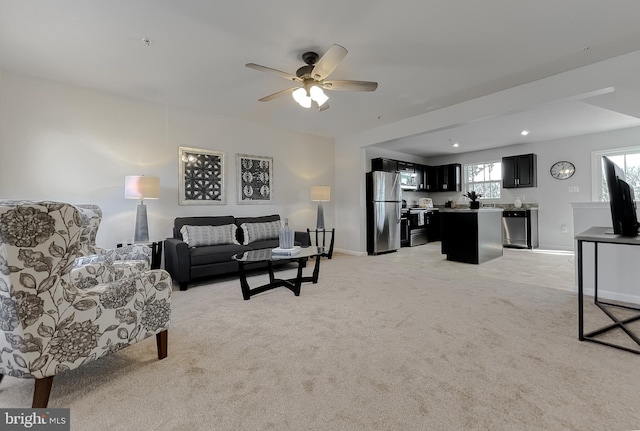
[(320, 194), (141, 187)]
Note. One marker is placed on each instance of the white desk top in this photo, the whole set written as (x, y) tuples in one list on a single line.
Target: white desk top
[(599, 234)]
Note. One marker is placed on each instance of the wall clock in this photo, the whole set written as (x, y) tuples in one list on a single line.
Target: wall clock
[(562, 170)]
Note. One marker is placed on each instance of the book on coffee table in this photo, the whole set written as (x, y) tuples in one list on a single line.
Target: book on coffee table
[(286, 251)]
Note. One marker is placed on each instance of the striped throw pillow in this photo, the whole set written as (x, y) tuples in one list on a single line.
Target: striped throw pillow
[(197, 236), (260, 231)]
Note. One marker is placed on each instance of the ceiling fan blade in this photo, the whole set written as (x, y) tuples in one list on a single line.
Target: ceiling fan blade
[(280, 73), (328, 62), (278, 94), (350, 85)]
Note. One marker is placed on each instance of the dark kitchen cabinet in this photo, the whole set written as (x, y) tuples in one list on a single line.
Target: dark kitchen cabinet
[(432, 224), (428, 178), (390, 165), (519, 171), (448, 178), (472, 236), (385, 165), (406, 166), (443, 178)]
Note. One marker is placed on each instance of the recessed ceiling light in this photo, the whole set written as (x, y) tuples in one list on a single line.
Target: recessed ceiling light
[(455, 145), (524, 132)]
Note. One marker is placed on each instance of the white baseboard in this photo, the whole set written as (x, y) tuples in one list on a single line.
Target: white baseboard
[(349, 252), (615, 296)]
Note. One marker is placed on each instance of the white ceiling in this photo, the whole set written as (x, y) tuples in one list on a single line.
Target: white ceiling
[(425, 55)]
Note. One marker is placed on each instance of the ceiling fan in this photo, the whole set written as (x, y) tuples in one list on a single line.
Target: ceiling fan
[(311, 79)]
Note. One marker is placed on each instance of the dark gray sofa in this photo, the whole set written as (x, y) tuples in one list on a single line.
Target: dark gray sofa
[(186, 263)]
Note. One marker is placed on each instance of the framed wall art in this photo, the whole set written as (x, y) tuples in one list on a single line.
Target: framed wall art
[(255, 179), (201, 176)]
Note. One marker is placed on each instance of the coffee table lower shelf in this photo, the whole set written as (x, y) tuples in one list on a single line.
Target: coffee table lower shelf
[(293, 284)]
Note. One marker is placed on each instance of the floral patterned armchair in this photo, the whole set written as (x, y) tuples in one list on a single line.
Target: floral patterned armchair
[(49, 324), (91, 253)]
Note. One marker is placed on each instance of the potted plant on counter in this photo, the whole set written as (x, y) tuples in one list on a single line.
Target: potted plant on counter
[(475, 203)]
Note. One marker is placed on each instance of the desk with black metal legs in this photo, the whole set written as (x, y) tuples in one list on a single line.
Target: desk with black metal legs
[(598, 235), (266, 255)]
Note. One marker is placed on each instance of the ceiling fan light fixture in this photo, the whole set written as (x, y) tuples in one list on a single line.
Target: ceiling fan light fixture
[(318, 95), (300, 96), (311, 79)]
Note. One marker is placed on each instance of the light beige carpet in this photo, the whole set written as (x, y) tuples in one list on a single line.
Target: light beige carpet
[(404, 341)]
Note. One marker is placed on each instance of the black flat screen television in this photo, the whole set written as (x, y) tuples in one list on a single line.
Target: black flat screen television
[(621, 200)]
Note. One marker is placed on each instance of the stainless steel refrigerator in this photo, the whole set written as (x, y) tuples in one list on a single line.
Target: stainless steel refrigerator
[(384, 203)]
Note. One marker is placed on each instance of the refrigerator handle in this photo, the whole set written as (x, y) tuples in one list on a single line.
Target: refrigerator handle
[(399, 214)]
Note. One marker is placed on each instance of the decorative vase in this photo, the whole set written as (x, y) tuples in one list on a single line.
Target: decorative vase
[(474, 205), (286, 236), (517, 203)]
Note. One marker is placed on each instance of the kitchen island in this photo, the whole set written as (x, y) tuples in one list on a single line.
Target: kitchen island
[(470, 235)]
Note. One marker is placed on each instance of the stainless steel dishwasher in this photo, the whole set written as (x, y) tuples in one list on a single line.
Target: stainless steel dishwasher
[(520, 228)]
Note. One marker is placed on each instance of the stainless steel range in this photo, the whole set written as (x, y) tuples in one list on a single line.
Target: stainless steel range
[(419, 226)]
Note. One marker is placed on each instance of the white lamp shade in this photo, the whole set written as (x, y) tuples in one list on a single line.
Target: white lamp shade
[(141, 187), (320, 193)]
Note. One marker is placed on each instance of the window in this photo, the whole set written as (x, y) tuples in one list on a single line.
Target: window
[(628, 159), (484, 178)]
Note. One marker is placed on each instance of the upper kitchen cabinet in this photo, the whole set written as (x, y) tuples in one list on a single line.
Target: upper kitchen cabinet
[(443, 178), (428, 178), (390, 165), (519, 171), (448, 178), (385, 165), (406, 166)]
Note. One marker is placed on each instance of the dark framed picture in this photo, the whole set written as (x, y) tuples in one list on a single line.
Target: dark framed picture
[(201, 176), (255, 179)]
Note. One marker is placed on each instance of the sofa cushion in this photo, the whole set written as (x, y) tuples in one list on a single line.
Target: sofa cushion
[(200, 221), (196, 236), (252, 232), (215, 253), (262, 219)]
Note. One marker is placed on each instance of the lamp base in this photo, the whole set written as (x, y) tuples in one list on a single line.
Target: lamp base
[(141, 233), (320, 218)]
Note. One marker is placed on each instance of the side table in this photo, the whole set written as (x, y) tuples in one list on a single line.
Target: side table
[(599, 235), (156, 252), (322, 234)]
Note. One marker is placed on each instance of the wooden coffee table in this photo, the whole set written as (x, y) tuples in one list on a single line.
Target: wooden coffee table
[(266, 255)]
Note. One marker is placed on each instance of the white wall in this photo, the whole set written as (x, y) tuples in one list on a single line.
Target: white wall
[(618, 270), (62, 142)]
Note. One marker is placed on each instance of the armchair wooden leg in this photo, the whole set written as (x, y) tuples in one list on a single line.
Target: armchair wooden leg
[(161, 341), (41, 393)]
